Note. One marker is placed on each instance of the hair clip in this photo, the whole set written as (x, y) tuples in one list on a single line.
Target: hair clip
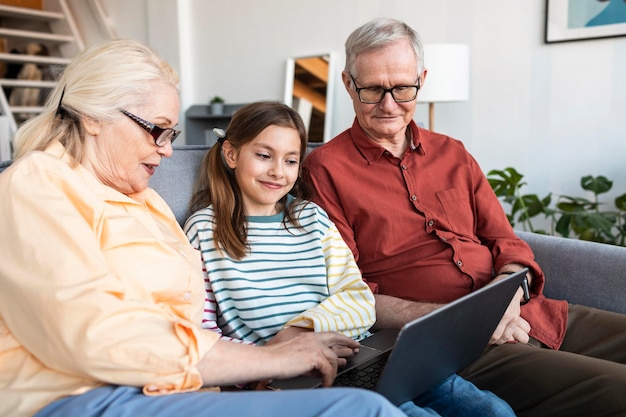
[(60, 110), (221, 135)]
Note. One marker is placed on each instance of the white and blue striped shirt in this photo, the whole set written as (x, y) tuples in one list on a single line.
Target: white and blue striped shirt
[(304, 277)]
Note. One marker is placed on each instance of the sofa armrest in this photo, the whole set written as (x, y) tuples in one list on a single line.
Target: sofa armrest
[(581, 272)]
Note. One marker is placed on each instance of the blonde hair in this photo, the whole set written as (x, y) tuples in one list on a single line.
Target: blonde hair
[(96, 84)]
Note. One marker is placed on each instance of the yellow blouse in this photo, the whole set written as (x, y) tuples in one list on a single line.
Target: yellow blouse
[(96, 287)]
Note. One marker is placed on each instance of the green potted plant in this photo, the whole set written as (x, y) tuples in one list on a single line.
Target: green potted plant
[(579, 217), (217, 105)]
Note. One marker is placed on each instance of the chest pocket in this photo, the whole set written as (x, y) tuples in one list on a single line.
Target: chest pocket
[(458, 212)]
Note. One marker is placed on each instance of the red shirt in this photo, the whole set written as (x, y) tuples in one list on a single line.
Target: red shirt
[(426, 227)]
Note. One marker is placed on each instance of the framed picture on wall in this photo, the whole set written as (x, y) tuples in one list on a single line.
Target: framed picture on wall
[(574, 20)]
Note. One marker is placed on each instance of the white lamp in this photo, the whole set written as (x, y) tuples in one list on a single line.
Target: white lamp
[(448, 76)]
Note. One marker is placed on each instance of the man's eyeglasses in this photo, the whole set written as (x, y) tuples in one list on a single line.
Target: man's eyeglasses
[(374, 95), (160, 135)]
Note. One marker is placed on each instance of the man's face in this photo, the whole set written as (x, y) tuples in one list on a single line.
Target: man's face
[(394, 65)]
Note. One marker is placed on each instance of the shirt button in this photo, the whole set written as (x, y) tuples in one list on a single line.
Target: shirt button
[(459, 263), (403, 166), (443, 239), (431, 223), (413, 197)]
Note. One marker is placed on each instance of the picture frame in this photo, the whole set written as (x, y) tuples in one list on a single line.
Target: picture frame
[(575, 20)]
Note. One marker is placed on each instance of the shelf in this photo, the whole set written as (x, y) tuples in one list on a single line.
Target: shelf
[(199, 123), (202, 111), (29, 13), (35, 59), (31, 35)]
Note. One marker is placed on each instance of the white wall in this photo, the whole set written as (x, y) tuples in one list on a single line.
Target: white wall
[(154, 23), (555, 112)]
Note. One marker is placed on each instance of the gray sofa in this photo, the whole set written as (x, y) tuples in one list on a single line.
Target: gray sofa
[(581, 272)]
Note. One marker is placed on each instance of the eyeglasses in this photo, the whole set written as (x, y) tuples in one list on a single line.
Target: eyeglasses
[(160, 135), (374, 95)]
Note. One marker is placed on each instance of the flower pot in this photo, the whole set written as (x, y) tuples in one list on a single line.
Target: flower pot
[(217, 108)]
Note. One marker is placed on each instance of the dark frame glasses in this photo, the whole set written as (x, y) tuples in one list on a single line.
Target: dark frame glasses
[(160, 135), (374, 95)]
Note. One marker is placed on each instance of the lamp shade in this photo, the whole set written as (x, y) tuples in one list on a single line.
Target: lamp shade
[(448, 73)]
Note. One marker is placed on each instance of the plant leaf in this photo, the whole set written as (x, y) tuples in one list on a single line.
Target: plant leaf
[(598, 185), (620, 202)]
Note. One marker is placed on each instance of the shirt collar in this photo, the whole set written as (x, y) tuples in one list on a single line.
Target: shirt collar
[(105, 192), (373, 151)]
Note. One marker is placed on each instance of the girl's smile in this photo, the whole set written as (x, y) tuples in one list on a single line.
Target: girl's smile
[(266, 168)]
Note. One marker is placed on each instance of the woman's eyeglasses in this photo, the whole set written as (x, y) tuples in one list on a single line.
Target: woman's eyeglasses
[(160, 135)]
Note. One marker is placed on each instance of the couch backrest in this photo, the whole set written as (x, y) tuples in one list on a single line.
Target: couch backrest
[(174, 178), (581, 272)]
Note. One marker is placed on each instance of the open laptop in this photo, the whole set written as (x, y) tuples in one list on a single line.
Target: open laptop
[(426, 350)]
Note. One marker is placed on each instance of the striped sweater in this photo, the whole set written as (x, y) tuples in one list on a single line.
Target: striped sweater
[(304, 277)]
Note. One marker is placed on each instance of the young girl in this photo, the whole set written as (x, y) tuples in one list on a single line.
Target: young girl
[(276, 265), (274, 259)]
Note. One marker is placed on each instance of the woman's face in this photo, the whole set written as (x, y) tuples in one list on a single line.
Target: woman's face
[(121, 153), (265, 168)]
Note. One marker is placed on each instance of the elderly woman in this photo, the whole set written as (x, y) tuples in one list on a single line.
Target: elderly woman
[(101, 294)]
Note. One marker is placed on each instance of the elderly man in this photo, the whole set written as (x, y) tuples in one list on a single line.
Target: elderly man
[(426, 228)]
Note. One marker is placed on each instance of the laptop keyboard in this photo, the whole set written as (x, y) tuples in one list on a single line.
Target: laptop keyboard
[(366, 377)]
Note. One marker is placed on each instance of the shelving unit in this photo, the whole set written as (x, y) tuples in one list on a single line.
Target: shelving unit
[(199, 123), (41, 40)]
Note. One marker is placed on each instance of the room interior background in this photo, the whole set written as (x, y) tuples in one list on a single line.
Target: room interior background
[(553, 111)]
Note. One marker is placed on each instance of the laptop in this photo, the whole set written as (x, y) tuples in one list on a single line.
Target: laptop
[(428, 349)]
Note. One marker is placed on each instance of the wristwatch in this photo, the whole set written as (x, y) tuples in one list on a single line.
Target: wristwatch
[(524, 285), (526, 290)]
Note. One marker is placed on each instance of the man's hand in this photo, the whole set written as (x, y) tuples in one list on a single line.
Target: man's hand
[(512, 327)]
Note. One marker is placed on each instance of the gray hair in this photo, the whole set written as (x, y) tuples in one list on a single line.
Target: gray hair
[(96, 84), (378, 33)]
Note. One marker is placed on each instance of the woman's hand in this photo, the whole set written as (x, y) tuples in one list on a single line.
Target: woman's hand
[(342, 351), (310, 353)]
